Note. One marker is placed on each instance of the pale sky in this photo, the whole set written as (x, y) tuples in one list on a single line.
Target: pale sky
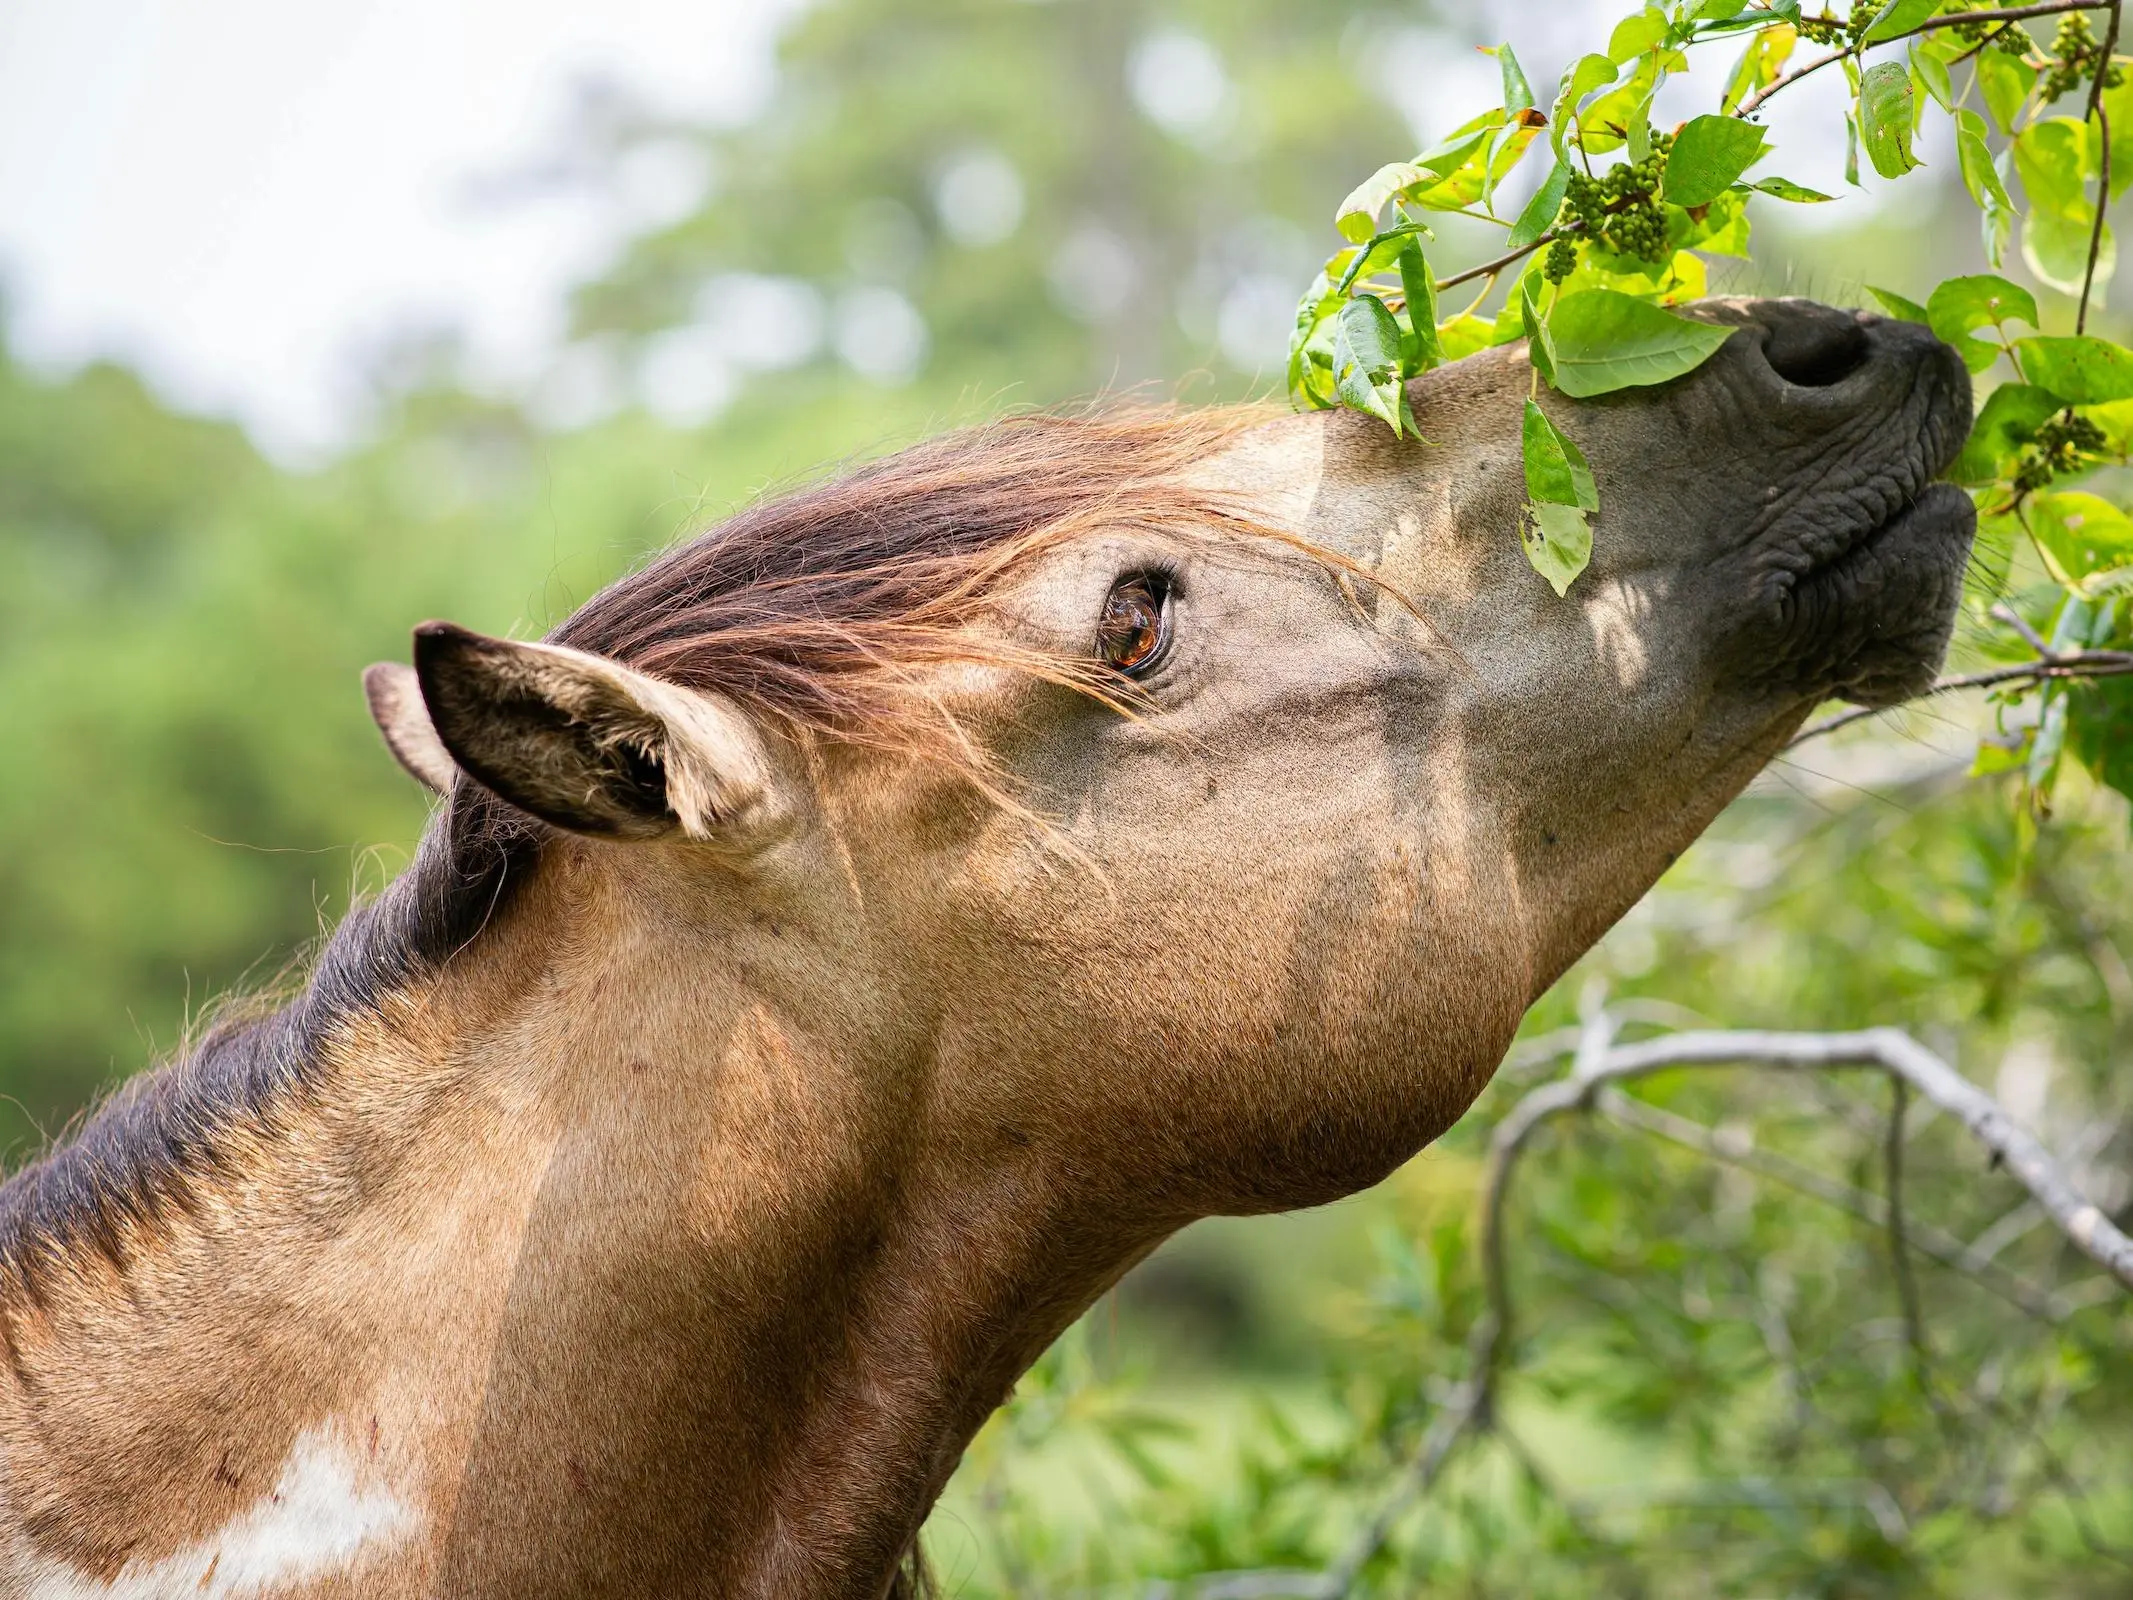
[(241, 198), (238, 196)]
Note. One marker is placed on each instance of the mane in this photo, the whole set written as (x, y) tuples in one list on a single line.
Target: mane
[(818, 610)]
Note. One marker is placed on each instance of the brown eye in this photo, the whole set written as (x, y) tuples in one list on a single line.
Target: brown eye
[(1135, 627)]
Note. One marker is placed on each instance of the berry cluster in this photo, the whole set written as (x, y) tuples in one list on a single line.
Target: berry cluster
[(2064, 444), (1619, 211), (1826, 29), (2006, 37), (2078, 56)]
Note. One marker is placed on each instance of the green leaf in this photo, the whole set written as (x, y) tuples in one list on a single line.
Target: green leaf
[(1981, 176), (2055, 246), (2084, 533), (2080, 369), (2115, 418), (1638, 133), (1708, 155), (1540, 346), (1465, 335), (1357, 218), (2008, 420), (1366, 359), (1721, 229), (1897, 306), (1600, 341), (1898, 17), (1608, 120), (1311, 344), (1466, 166), (1558, 542), (1541, 211), (1633, 35), (1580, 78), (2100, 730), (1960, 306), (1418, 348), (1931, 75), (1517, 93), (1885, 112), (2051, 156), (2048, 742), (1379, 255), (1786, 189), (2118, 107), (1760, 65), (1556, 472), (2006, 82)]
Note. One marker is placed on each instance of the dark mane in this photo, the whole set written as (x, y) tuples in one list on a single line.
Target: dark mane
[(812, 609)]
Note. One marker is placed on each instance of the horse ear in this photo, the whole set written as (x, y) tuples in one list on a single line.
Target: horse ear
[(396, 706), (585, 743)]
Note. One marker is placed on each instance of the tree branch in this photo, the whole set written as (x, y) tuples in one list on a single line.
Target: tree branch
[(2097, 115), (1601, 1063), (2072, 664), (1954, 19), (1900, 1056), (1870, 1209), (1489, 269)]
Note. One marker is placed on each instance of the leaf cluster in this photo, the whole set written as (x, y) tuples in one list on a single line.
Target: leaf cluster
[(1613, 241)]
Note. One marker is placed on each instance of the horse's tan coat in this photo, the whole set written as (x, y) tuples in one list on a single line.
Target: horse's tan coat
[(681, 1234)]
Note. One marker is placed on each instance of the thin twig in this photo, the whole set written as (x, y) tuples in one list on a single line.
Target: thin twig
[(1894, 1052), (1914, 1321), (2002, 612), (1489, 269), (1870, 1209), (1954, 19), (2103, 181), (2072, 664), (1600, 1063)]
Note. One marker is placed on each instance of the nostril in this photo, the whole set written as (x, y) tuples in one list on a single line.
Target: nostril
[(1815, 352)]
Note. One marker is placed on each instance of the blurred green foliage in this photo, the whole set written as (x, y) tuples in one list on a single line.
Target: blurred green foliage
[(1709, 1392)]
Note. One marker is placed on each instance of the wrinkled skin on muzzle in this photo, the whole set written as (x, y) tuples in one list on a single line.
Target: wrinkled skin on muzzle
[(1831, 562), (1770, 535)]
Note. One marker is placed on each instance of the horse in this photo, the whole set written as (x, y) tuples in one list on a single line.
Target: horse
[(846, 945)]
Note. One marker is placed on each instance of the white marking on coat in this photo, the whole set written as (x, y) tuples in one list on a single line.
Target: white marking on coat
[(317, 1520)]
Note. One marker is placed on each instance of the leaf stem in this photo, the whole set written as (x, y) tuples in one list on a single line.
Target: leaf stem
[(2103, 183), (1953, 19)]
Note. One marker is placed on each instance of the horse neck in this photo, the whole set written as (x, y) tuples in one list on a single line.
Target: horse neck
[(590, 1267)]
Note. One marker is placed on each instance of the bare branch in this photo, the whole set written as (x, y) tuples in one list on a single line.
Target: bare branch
[(2003, 612), (1600, 1064), (1870, 1209), (2073, 664), (1891, 1051)]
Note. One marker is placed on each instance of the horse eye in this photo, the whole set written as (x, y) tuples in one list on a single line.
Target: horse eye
[(1134, 630)]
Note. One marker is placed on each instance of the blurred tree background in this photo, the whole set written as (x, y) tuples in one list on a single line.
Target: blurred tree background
[(954, 206)]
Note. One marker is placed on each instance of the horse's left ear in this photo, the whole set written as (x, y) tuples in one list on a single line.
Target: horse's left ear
[(396, 707), (587, 744)]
